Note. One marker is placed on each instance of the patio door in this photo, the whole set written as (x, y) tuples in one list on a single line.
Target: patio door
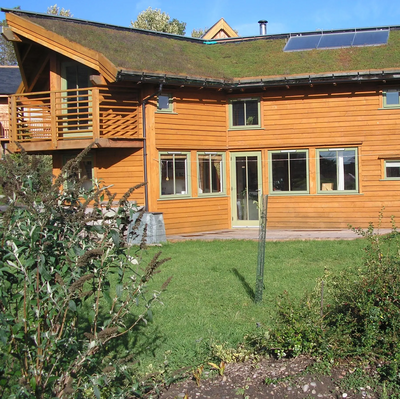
[(246, 188)]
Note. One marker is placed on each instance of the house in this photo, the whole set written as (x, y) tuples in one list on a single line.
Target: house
[(310, 119), (10, 80), (220, 30)]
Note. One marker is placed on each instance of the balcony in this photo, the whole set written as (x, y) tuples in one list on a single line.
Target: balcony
[(73, 119)]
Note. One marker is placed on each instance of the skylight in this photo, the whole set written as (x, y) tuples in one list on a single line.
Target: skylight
[(337, 40)]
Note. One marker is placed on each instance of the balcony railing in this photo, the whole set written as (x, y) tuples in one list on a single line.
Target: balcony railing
[(89, 113)]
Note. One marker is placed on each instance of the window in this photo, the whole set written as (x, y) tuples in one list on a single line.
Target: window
[(174, 173), (288, 171), (210, 173), (392, 170), (165, 103), (84, 172), (337, 170), (391, 99), (245, 113)]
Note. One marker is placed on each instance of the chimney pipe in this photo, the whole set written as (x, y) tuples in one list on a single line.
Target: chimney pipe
[(263, 27)]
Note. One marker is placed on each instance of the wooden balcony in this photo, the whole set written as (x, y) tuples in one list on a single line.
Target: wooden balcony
[(73, 119)]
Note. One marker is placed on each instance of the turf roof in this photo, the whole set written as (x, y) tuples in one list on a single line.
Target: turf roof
[(134, 50)]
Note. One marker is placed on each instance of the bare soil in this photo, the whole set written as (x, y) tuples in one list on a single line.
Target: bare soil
[(270, 378)]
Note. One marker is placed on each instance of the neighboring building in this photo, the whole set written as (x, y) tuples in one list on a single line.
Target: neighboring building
[(220, 30), (310, 119), (10, 79)]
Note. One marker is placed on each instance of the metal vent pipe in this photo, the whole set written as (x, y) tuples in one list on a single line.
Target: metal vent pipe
[(263, 27)]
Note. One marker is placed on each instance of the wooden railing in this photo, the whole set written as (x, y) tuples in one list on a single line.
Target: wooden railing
[(74, 114)]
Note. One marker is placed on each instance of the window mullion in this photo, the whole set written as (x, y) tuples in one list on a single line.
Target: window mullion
[(340, 170)]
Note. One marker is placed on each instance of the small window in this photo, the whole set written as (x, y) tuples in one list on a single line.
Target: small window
[(85, 171), (211, 173), (245, 113), (165, 103), (391, 99), (392, 170), (337, 170), (289, 171), (174, 173)]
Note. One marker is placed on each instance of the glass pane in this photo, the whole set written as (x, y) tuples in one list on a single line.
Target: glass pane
[(392, 98), (296, 43), (167, 170), (204, 174), (216, 173), (349, 165), (163, 102), (252, 188), (298, 171), (328, 170), (180, 174), (251, 112), (336, 40), (392, 169), (370, 38), (238, 113), (280, 172)]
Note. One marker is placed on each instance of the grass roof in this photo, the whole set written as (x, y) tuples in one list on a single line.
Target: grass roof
[(132, 50)]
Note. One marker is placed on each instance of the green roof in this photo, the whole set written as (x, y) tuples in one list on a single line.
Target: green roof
[(262, 56)]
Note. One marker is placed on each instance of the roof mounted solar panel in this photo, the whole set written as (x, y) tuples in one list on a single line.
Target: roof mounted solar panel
[(298, 43), (371, 38), (336, 40)]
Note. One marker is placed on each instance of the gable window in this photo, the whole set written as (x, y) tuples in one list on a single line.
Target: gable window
[(165, 103), (391, 98), (210, 173), (245, 113), (337, 170), (288, 171), (174, 173), (392, 170), (84, 171)]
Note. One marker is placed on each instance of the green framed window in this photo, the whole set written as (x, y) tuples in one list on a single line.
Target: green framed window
[(244, 113), (85, 171), (211, 173), (165, 103), (391, 98), (337, 170), (392, 169), (288, 171), (174, 173)]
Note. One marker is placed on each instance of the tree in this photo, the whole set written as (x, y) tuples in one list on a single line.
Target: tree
[(54, 10), (199, 32), (7, 53), (158, 21)]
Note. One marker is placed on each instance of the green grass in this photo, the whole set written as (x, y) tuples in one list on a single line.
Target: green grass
[(210, 299)]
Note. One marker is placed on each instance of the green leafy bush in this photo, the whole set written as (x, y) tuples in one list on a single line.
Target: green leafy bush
[(70, 295), (352, 314)]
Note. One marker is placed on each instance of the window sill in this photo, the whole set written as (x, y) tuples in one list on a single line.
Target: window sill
[(212, 195), (166, 112), (286, 193), (175, 197), (390, 179), (333, 192), (246, 128), (386, 108)]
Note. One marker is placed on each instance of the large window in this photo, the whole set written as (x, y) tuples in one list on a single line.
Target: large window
[(337, 170), (288, 171), (210, 167), (174, 173), (245, 113), (391, 98), (392, 170)]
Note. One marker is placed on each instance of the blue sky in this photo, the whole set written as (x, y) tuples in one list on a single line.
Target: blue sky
[(284, 16)]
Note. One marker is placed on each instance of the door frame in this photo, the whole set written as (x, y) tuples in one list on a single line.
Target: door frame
[(233, 157)]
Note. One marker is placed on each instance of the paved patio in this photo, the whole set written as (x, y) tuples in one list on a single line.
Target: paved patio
[(271, 235)]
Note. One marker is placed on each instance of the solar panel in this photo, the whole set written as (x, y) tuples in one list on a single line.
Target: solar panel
[(337, 40)]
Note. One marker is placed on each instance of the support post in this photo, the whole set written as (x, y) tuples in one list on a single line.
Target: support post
[(261, 251)]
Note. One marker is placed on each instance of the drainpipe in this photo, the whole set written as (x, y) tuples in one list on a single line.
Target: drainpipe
[(146, 189)]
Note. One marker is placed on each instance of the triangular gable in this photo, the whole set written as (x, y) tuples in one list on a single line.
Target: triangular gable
[(59, 44), (220, 30)]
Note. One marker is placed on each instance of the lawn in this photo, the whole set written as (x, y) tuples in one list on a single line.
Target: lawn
[(210, 298)]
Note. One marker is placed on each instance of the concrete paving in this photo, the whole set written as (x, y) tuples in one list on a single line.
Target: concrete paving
[(271, 235)]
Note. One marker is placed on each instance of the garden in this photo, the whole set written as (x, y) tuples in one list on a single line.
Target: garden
[(84, 315)]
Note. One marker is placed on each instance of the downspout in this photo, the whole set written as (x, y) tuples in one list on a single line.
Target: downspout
[(146, 189)]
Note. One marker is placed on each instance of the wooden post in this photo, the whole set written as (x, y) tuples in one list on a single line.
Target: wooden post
[(53, 119), (95, 112), (12, 103)]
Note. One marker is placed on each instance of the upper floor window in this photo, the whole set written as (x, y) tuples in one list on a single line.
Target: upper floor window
[(392, 170), (165, 103), (391, 98), (337, 170), (245, 113), (175, 173), (211, 173), (288, 171)]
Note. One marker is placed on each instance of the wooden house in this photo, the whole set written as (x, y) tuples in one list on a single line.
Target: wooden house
[(311, 119)]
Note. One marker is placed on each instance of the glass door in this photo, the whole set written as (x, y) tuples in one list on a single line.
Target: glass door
[(246, 188)]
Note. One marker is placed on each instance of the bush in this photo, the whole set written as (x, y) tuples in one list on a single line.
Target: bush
[(69, 292), (354, 314)]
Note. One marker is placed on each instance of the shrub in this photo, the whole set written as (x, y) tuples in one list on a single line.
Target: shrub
[(69, 292)]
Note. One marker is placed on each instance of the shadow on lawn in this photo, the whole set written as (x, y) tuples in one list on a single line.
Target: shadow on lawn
[(246, 285)]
